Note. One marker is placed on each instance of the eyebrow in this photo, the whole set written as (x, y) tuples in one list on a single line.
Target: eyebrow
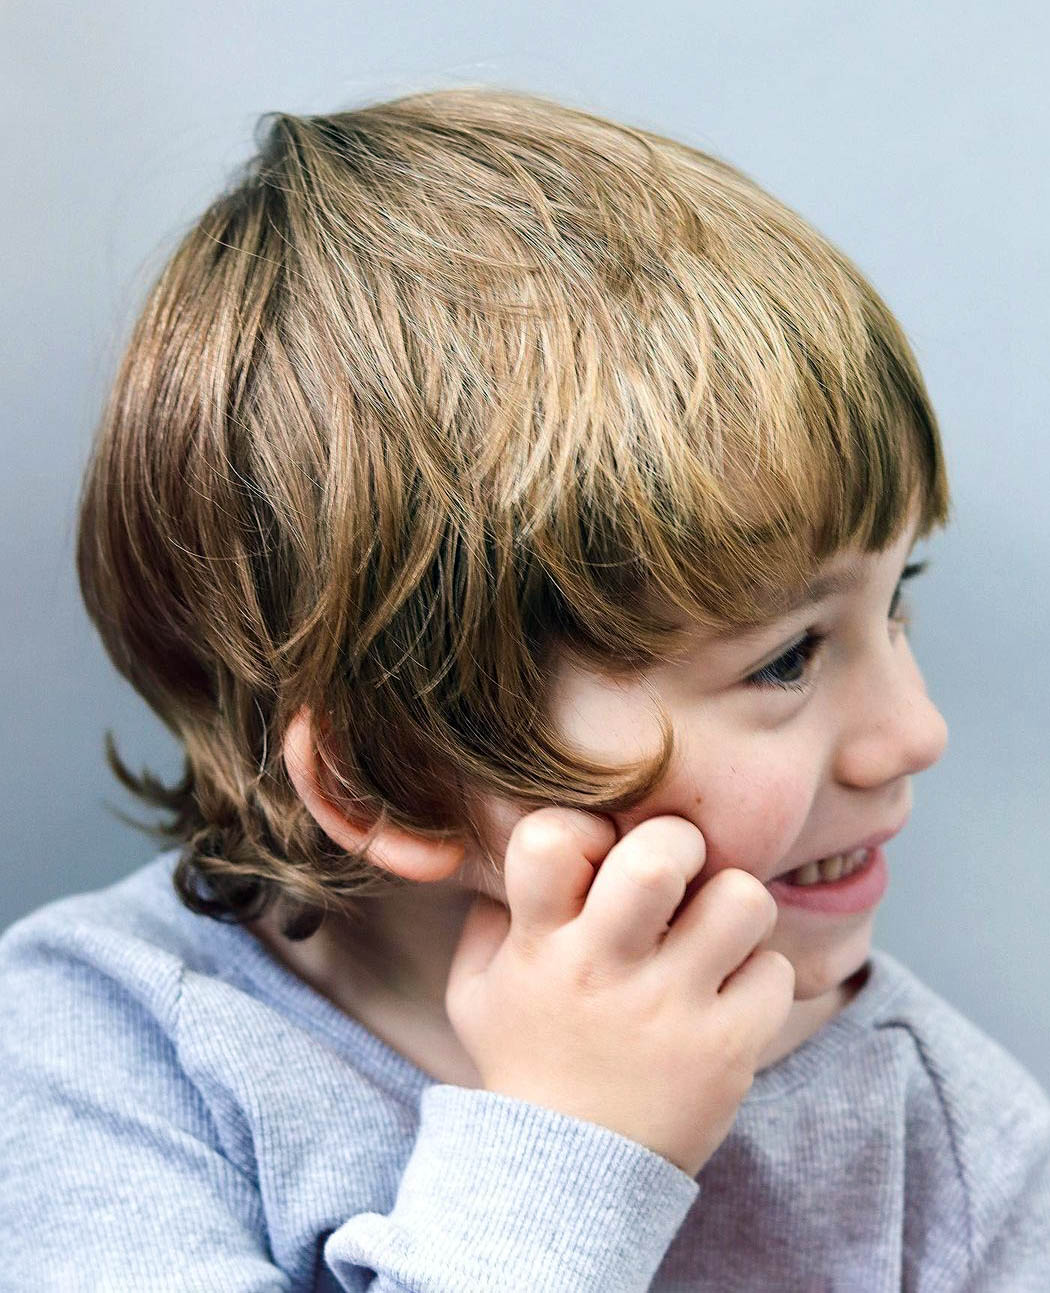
[(816, 590), (786, 601), (778, 605)]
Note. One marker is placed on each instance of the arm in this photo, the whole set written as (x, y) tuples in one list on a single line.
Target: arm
[(979, 1164), (516, 1197), (118, 1175), (1016, 1256), (113, 1176)]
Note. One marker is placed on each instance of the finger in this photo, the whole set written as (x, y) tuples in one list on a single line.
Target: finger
[(549, 865), (639, 886), (480, 938), (720, 926), (760, 994)]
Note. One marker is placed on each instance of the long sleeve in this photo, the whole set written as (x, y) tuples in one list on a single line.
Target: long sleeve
[(112, 1178), (1018, 1257), (503, 1195), (1012, 1218), (164, 1131), (181, 1113)]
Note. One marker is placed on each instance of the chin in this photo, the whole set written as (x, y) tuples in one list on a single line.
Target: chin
[(819, 973)]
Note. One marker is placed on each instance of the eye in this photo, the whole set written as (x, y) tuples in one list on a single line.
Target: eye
[(789, 669), (900, 610)]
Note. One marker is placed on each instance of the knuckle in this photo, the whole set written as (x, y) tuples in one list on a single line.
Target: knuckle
[(784, 967), (547, 830), (674, 834), (651, 872), (589, 978), (733, 1048), (766, 905), (778, 982), (748, 893), (663, 852)]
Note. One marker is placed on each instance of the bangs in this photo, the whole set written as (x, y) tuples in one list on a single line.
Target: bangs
[(745, 437), (437, 387)]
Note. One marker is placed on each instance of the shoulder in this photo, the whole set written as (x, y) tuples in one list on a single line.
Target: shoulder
[(127, 960), (127, 983), (966, 1091), (121, 934), (111, 1135), (968, 1069), (96, 1023), (90, 991), (134, 936)]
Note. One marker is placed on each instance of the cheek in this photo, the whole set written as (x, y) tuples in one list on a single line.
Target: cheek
[(754, 819), (749, 812)]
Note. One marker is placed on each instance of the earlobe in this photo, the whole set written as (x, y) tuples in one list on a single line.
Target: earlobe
[(410, 856)]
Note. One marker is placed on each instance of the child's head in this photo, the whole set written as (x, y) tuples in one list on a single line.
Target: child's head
[(443, 392)]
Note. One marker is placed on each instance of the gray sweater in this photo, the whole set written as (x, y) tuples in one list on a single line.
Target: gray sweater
[(180, 1112)]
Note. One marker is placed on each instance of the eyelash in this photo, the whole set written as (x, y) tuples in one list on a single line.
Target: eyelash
[(806, 648)]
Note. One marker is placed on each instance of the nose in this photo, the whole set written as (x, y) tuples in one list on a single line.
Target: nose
[(890, 726)]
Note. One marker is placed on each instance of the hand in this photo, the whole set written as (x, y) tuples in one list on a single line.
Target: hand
[(599, 992)]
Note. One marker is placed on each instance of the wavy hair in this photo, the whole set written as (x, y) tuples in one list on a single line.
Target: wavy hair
[(438, 387)]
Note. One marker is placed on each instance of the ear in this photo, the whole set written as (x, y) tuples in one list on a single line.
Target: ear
[(410, 856)]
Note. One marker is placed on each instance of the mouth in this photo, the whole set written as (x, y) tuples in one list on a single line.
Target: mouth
[(837, 865)]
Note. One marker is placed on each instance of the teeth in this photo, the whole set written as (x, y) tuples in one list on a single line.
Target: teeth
[(828, 869)]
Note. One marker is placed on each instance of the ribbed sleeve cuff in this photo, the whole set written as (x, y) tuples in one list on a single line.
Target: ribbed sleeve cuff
[(503, 1195)]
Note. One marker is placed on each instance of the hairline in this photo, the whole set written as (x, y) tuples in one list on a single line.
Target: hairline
[(781, 605)]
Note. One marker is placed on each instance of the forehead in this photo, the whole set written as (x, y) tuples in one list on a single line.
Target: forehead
[(843, 572), (608, 703)]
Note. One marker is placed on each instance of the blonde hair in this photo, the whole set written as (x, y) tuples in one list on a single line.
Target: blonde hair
[(439, 387)]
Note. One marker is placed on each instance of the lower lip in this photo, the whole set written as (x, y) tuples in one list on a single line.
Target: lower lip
[(857, 892)]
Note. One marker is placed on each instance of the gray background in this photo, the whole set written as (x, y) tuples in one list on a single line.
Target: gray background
[(912, 134)]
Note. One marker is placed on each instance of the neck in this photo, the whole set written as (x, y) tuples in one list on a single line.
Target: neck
[(393, 957), (396, 947)]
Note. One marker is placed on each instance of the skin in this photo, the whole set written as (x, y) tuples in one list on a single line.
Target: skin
[(771, 777), (774, 778)]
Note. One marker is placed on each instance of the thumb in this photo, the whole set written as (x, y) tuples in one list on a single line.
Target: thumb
[(481, 937)]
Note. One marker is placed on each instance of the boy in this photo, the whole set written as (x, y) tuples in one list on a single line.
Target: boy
[(510, 512)]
